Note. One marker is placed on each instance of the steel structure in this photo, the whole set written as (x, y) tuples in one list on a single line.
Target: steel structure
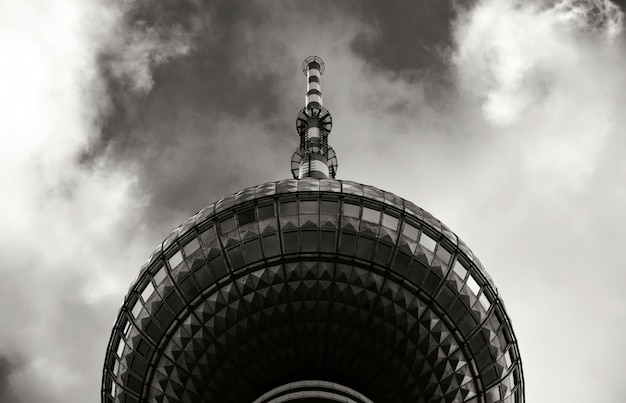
[(312, 290)]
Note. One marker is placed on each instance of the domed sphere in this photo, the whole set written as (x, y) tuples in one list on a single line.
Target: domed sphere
[(318, 290)]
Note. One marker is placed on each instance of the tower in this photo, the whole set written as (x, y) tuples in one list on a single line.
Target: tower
[(312, 289)]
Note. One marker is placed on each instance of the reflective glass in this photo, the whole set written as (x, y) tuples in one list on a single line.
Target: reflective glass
[(147, 292), (266, 211), (371, 215), (473, 285), (351, 210), (288, 208), (159, 275), (176, 259), (484, 301), (459, 269), (328, 207), (192, 246), (227, 225), (390, 221), (120, 348), (308, 207), (427, 242), (136, 308), (246, 217), (410, 231)]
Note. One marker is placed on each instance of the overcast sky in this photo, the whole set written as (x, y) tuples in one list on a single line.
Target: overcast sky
[(119, 119)]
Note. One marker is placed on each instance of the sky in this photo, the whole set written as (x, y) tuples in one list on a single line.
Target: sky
[(503, 118)]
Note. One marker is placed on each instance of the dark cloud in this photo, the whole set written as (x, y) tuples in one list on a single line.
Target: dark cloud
[(407, 36), (228, 91), (7, 367)]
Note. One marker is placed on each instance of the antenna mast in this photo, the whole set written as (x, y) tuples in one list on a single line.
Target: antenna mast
[(314, 158)]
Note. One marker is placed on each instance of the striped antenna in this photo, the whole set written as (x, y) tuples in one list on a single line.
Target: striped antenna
[(314, 158)]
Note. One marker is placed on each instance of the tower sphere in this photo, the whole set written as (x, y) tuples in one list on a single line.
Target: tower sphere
[(312, 290)]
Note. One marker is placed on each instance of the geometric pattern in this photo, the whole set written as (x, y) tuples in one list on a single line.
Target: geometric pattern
[(313, 279)]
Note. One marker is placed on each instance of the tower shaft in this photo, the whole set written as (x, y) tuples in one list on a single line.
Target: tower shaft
[(314, 158)]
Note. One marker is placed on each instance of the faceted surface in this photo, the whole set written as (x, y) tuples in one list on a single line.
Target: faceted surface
[(312, 279)]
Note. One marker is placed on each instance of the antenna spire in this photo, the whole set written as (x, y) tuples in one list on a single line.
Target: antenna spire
[(314, 158)]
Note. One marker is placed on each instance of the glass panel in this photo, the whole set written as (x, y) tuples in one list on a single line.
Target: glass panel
[(266, 211), (393, 200), (507, 359), (484, 301), (236, 257), (227, 225), (159, 275), (352, 188), (371, 215), (443, 254), (427, 242), (390, 221), (288, 208), (253, 250), (136, 308), (309, 241), (290, 242), (459, 269), (328, 241), (191, 247), (493, 394), (270, 245), (246, 217), (308, 185), (176, 259), (120, 348), (410, 231), (308, 207), (473, 285), (147, 292), (265, 189), (351, 210), (328, 207), (126, 328)]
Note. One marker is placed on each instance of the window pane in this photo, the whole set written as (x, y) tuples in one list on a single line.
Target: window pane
[(159, 276), (191, 247), (266, 211), (288, 208), (147, 292), (136, 308), (459, 269), (371, 215), (410, 231), (328, 207), (227, 225), (427, 242), (484, 301), (309, 241), (120, 348), (473, 285), (390, 221), (443, 254), (176, 259), (246, 217), (351, 210), (308, 207)]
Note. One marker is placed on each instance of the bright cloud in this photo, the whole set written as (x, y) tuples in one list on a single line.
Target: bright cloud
[(63, 246), (548, 72)]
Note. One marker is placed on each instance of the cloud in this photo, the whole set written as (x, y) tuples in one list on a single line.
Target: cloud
[(70, 227), (548, 72)]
